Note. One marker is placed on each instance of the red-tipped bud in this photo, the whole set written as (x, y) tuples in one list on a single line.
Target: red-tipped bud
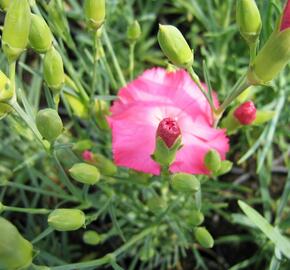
[(246, 113), (285, 22), (168, 130), (87, 155)]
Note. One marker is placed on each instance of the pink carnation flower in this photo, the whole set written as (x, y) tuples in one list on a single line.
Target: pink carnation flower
[(151, 98)]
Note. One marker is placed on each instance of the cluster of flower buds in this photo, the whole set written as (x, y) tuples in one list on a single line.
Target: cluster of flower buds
[(15, 251)]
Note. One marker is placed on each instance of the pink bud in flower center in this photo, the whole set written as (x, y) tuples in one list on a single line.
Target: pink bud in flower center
[(87, 155), (285, 23), (168, 130), (246, 113)]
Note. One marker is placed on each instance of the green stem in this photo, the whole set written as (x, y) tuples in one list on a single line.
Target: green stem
[(40, 211), (131, 60), (109, 257), (114, 58), (253, 51), (94, 79)]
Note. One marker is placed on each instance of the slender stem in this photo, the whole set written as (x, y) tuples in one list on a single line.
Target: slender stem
[(195, 78), (253, 50), (40, 211), (43, 234), (94, 79), (131, 60), (114, 58)]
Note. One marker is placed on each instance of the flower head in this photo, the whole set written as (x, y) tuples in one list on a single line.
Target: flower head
[(167, 105), (246, 113)]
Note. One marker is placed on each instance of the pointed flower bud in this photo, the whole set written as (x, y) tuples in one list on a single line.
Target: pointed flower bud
[(15, 251), (66, 219), (92, 238), (186, 183), (40, 36), (53, 70), (134, 31), (212, 160), (275, 54), (203, 237), (85, 173), (49, 124), (16, 29), (246, 113), (6, 93), (95, 12), (168, 130), (248, 20), (195, 218), (174, 46)]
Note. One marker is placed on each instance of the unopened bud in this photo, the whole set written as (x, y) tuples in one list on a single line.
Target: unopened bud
[(168, 130), (184, 182), (66, 219), (212, 160), (105, 165), (102, 111), (15, 251), (134, 32), (16, 29), (174, 46), (203, 237), (92, 238), (248, 20), (4, 4), (82, 145), (40, 36), (246, 113), (78, 108), (6, 93), (95, 12), (53, 70), (157, 205), (195, 218), (275, 54), (87, 155), (85, 173), (49, 124)]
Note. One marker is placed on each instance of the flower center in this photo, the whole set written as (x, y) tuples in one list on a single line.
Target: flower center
[(168, 130)]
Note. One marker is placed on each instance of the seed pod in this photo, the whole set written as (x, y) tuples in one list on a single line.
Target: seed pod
[(184, 182), (6, 93), (16, 29), (203, 237), (134, 32), (248, 20), (95, 12), (66, 219), (212, 160), (85, 173), (195, 218), (53, 70), (15, 251), (40, 36), (92, 238), (49, 124), (174, 46), (4, 4)]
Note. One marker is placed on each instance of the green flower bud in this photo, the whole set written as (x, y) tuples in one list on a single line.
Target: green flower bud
[(195, 218), (66, 219), (146, 253), (83, 145), (15, 251), (92, 238), (16, 29), (212, 160), (105, 165), (49, 124), (102, 110), (78, 108), (95, 12), (134, 31), (157, 205), (85, 173), (203, 237), (6, 93), (40, 36), (184, 182), (53, 70), (4, 110), (174, 46), (248, 20), (4, 4), (226, 166)]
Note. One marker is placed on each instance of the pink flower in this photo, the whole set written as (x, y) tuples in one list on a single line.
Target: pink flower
[(246, 113), (87, 155), (144, 105), (285, 22)]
